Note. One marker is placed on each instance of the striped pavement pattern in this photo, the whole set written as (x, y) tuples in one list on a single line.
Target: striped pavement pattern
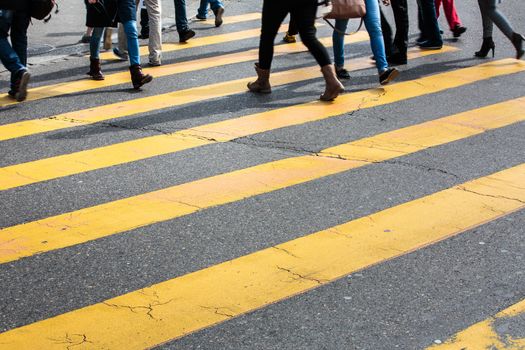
[(201, 299)]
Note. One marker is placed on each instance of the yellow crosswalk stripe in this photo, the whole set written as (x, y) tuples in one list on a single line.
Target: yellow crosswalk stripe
[(76, 86), (485, 335), (174, 308), (125, 152), (198, 94), (207, 40), (252, 16), (111, 218)]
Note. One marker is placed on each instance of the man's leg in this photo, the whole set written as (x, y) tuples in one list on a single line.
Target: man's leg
[(400, 9), (19, 35), (181, 21), (430, 27), (387, 34), (155, 31), (202, 12), (218, 9)]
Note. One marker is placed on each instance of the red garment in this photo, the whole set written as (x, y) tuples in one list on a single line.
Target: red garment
[(450, 12)]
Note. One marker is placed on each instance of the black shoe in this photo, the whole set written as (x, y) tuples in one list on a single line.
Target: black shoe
[(218, 16), (20, 85), (200, 18), (486, 46), (420, 40), (342, 73), (397, 59), (388, 75), (144, 36), (517, 41), (185, 36), (429, 45), (458, 30), (11, 94)]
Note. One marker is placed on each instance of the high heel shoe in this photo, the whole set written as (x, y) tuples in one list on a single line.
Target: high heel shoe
[(486, 46), (517, 41)]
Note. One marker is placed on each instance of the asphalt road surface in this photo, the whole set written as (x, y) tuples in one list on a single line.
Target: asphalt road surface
[(195, 215)]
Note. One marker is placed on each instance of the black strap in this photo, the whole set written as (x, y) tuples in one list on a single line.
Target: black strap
[(344, 33)]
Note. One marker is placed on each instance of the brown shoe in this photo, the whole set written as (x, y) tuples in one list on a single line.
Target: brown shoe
[(333, 85), (137, 77), (262, 84), (95, 71), (218, 16)]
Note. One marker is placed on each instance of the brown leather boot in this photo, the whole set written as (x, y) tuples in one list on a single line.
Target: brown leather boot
[(262, 84), (333, 85), (137, 77), (94, 69)]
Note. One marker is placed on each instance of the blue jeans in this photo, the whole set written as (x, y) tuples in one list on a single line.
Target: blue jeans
[(203, 8), (373, 27), (130, 27), (181, 20), (13, 57), (428, 23)]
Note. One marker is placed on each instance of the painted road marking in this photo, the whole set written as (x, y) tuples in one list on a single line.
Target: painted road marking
[(198, 94), (186, 304), (130, 151), (485, 334), (111, 218), (77, 86)]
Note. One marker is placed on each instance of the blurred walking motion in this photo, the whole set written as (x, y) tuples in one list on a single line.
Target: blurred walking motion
[(106, 13), (216, 6), (452, 16), (14, 20), (373, 27), (490, 15), (304, 13)]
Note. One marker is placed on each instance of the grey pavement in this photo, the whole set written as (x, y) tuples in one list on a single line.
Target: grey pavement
[(409, 302)]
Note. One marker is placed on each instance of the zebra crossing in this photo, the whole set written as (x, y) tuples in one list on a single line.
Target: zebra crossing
[(167, 310)]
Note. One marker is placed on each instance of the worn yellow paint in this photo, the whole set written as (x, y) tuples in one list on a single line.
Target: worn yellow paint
[(126, 214), (181, 97), (483, 335), (198, 41), (77, 86), (234, 19), (493, 116), (174, 308)]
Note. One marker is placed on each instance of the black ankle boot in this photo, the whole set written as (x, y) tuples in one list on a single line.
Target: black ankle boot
[(517, 41), (486, 46)]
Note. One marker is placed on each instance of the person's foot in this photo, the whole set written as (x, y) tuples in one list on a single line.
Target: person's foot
[(289, 39), (458, 30), (85, 39), (154, 63), (144, 36), (186, 35), (200, 18), (342, 73), (420, 40), (388, 75), (218, 16), (20, 85), (429, 45), (11, 94), (122, 55), (397, 59)]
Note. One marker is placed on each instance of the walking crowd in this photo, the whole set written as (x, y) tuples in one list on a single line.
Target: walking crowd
[(388, 50)]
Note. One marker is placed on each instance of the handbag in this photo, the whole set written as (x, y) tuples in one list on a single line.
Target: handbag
[(346, 9), (41, 9)]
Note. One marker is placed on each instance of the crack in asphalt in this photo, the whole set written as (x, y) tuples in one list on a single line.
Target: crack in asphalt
[(463, 188), (301, 277), (217, 311)]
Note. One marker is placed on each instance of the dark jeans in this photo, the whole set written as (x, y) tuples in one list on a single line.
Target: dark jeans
[(400, 43), (428, 24), (14, 55), (303, 13), (181, 20)]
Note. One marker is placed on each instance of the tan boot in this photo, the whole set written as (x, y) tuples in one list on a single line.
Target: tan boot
[(262, 84), (333, 85)]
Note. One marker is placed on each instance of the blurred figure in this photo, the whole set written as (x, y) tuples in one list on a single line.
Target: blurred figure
[(303, 12), (100, 15), (181, 21), (490, 16), (14, 19), (451, 14), (373, 27), (430, 37), (216, 6)]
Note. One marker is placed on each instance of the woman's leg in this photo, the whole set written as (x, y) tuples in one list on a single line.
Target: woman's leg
[(452, 15), (273, 14), (373, 27), (492, 12), (338, 40), (130, 27), (304, 12), (94, 43)]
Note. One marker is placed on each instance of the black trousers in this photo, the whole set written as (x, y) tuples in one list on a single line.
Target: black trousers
[(400, 43), (303, 13)]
